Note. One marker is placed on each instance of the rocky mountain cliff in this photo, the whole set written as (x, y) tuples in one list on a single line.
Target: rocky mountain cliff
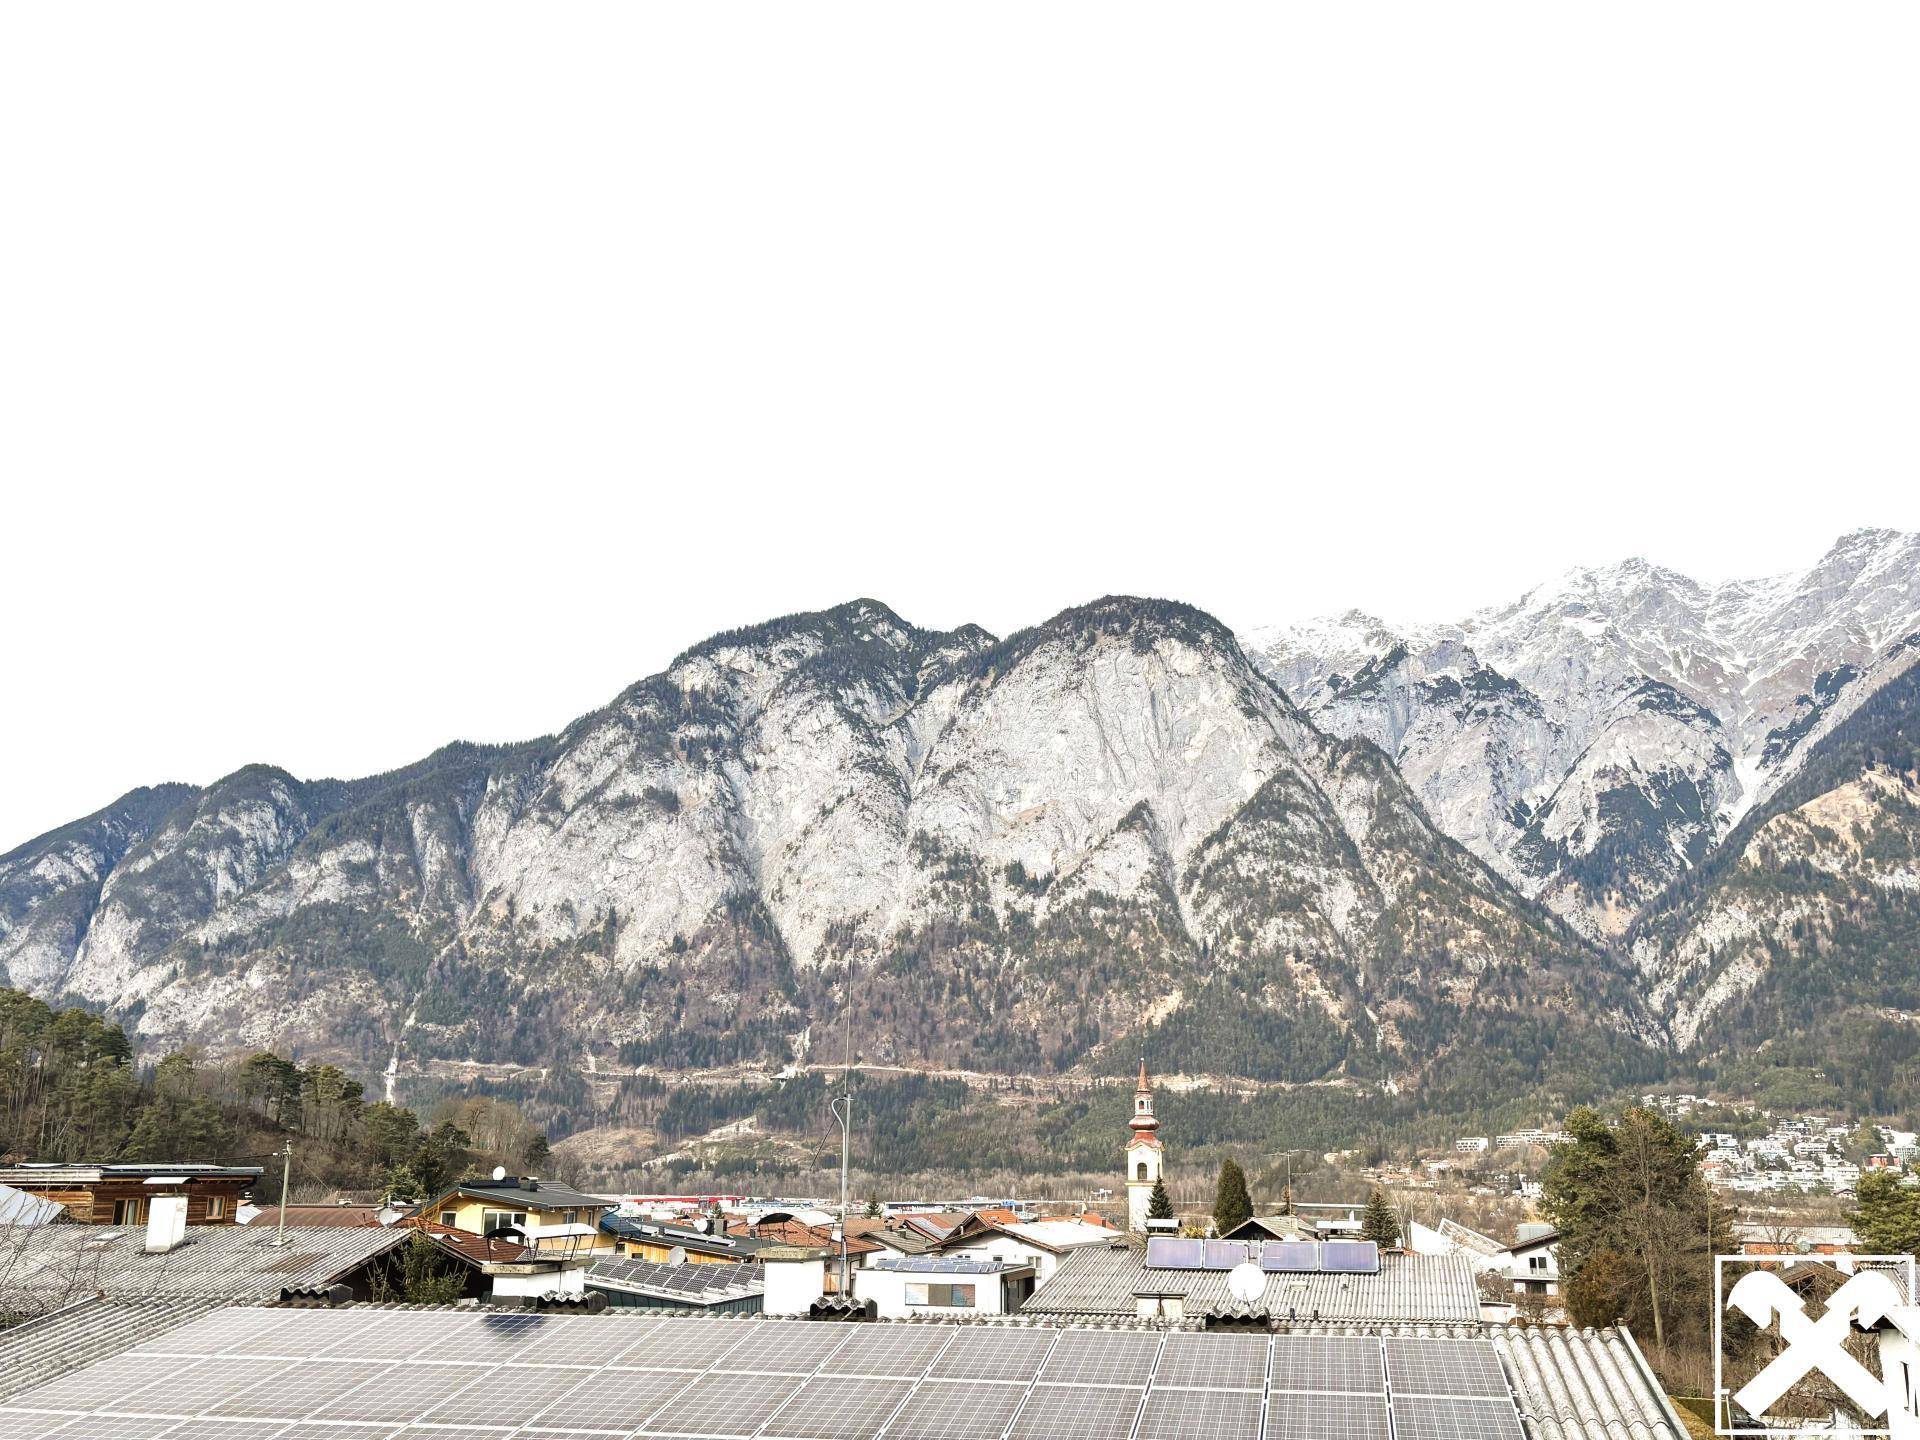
[(1596, 739), (1626, 824), (1032, 855)]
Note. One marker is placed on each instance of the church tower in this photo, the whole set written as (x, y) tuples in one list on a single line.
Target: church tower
[(1143, 1153)]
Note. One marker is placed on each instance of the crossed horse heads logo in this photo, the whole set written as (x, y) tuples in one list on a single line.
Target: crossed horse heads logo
[(1762, 1296)]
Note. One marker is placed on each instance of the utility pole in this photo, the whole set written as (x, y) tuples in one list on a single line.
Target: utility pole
[(842, 1109), (286, 1173)]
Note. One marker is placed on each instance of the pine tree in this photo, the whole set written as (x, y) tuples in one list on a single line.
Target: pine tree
[(1380, 1223), (1886, 1215), (1159, 1204), (1232, 1205)]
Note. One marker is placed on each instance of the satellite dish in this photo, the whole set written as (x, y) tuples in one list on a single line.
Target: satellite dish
[(499, 1172), (1246, 1281)]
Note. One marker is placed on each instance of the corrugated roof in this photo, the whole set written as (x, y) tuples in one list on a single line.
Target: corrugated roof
[(38, 1350), (339, 1215), (49, 1264), (1583, 1385), (1107, 1279), (42, 1173)]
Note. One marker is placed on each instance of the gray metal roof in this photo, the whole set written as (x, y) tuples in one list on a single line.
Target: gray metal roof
[(1584, 1385), (47, 1265), (1110, 1279), (41, 1172), (50, 1345), (946, 1264)]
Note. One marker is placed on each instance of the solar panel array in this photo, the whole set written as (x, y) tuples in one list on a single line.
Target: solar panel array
[(689, 1280), (1276, 1257), (268, 1374)]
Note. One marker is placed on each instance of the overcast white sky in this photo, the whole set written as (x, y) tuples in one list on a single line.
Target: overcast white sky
[(374, 375)]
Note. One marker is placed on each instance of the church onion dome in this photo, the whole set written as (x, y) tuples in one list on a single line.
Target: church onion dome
[(1143, 1121)]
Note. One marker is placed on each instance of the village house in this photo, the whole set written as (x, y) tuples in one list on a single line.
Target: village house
[(547, 1215), (117, 1194), (1036, 1244), (956, 1285)]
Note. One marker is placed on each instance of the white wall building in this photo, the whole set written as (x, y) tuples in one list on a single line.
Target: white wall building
[(1038, 1243), (903, 1287)]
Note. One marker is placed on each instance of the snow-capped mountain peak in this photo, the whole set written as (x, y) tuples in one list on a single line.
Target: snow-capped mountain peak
[(1642, 713)]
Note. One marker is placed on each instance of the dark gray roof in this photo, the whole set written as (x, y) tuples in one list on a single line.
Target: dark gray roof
[(547, 1194), (1110, 1279), (692, 1241), (51, 1344), (46, 1265)]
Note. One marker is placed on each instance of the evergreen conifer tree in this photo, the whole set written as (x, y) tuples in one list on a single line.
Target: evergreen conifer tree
[(1232, 1205), (1159, 1204), (1380, 1223)]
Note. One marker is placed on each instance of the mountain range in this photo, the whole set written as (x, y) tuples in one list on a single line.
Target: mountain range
[(1625, 824)]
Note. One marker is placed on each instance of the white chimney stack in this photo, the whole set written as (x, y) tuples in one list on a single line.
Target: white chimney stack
[(166, 1223)]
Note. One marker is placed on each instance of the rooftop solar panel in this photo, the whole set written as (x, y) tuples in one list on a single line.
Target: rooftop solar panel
[(613, 1399), (1169, 1252), (1439, 1418), (402, 1393), (1086, 1414), (195, 1389), (1101, 1357), (723, 1405), (891, 1350), (23, 1425), (510, 1395), (789, 1347), (1290, 1257), (1350, 1257), (1223, 1254), (297, 1392), (212, 1334), (1220, 1362), (335, 1432), (493, 1337), (1327, 1417), (953, 1410), (1011, 1355), (838, 1409), (220, 1430), (85, 1389), (1348, 1364), (683, 1343), (111, 1427), (583, 1340), (1423, 1366), (1201, 1415)]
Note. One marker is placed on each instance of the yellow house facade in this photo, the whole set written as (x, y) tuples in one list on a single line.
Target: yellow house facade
[(550, 1216)]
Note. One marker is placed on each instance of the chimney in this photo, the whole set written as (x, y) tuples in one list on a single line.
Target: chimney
[(166, 1223)]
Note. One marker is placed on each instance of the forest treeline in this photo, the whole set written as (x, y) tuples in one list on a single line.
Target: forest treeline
[(71, 1089)]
